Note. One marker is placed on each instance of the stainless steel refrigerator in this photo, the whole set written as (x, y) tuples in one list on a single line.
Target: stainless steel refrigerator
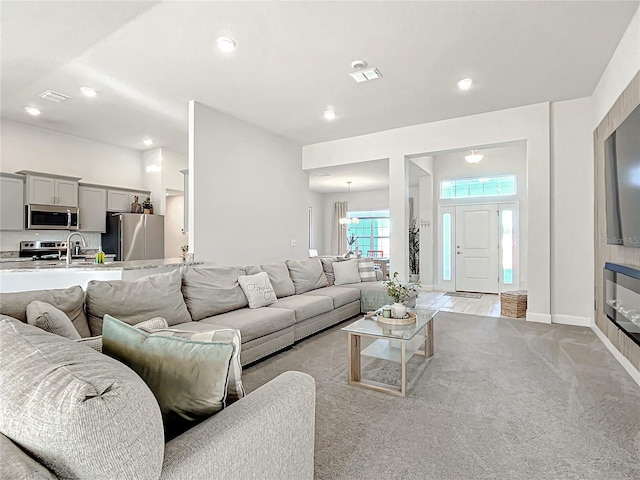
[(134, 236)]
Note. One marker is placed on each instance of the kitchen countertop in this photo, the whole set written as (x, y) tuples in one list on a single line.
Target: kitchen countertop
[(39, 265)]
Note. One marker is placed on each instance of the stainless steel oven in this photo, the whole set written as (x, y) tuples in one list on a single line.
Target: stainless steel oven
[(51, 217)]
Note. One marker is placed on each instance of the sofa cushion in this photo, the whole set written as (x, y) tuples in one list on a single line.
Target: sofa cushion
[(253, 323), (258, 289), (340, 295), (235, 389), (212, 290), (304, 306), (187, 377), (307, 274), (75, 409), (346, 272), (366, 269), (69, 300), (279, 277), (50, 319), (156, 295)]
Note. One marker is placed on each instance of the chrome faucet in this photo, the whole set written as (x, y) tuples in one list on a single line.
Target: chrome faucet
[(84, 244)]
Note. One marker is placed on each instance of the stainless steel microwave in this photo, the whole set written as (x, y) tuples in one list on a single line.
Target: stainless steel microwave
[(51, 217)]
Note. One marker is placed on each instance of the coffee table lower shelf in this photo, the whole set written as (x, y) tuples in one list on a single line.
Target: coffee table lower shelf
[(395, 350)]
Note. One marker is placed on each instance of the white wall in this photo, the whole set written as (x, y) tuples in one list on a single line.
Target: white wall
[(624, 64), (572, 249), (318, 223), (30, 148), (250, 195), (530, 123), (504, 160), (174, 237)]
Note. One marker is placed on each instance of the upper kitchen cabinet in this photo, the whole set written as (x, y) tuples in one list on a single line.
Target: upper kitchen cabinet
[(11, 211), (45, 189), (92, 202), (121, 200)]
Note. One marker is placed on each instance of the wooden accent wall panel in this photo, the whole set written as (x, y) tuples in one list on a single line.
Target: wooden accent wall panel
[(626, 102)]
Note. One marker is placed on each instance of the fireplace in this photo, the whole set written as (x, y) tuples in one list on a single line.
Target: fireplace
[(622, 298)]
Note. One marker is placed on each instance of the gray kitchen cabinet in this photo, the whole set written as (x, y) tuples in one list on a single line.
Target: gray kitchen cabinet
[(11, 204), (44, 189), (121, 200), (92, 202)]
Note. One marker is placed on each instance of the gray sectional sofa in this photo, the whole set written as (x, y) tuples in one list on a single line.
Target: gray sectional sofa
[(69, 427)]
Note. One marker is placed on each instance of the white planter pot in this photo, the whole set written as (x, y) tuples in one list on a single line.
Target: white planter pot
[(414, 278), (398, 310)]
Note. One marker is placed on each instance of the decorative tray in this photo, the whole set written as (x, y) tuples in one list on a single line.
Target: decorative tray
[(409, 319)]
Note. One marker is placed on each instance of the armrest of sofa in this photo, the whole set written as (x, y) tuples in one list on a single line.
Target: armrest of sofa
[(269, 433)]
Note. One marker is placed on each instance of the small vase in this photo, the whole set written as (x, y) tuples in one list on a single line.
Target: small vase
[(398, 310)]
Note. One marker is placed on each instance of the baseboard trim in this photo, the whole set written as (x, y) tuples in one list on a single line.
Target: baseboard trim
[(571, 320), (626, 364), (538, 317)]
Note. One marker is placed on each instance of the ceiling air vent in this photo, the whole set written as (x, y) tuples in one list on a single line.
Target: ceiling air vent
[(366, 75), (55, 97)]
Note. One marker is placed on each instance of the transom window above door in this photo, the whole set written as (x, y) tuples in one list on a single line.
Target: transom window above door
[(478, 187)]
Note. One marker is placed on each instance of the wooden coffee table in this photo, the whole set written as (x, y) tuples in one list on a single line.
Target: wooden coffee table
[(392, 342)]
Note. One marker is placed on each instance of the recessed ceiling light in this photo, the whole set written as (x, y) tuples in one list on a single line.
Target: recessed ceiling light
[(226, 44), (33, 111), (147, 141), (330, 114), (153, 168), (88, 91), (465, 84)]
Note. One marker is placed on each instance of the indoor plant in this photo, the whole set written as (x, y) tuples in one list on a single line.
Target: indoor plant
[(352, 241), (414, 250), (400, 292)]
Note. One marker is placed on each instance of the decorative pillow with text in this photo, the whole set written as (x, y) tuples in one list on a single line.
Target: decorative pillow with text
[(258, 289)]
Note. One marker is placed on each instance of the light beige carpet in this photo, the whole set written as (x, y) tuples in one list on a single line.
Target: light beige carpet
[(501, 399)]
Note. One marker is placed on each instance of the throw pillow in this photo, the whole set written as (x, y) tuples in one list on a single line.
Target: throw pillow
[(235, 388), (258, 289), (346, 272), (51, 319), (96, 342), (367, 271), (307, 274), (187, 377)]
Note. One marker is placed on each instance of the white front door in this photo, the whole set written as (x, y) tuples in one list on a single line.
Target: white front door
[(477, 249)]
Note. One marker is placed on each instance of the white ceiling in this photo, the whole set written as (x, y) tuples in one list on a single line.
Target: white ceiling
[(148, 59)]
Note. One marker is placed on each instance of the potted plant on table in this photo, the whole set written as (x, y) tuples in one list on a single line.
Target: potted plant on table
[(400, 292), (414, 251)]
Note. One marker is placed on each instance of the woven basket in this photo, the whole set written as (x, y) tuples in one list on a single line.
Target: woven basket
[(513, 304)]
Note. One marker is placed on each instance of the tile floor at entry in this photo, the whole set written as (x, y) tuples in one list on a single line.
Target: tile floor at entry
[(488, 305)]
